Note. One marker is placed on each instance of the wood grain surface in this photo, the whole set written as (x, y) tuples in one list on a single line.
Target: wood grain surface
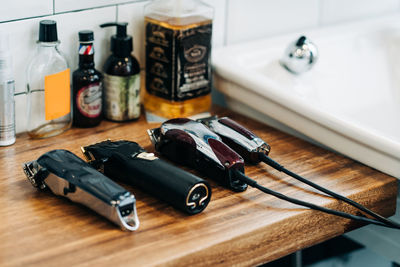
[(248, 228)]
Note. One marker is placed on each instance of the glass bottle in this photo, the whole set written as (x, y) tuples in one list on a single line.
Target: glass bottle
[(86, 85), (121, 92), (7, 103), (48, 86), (178, 58)]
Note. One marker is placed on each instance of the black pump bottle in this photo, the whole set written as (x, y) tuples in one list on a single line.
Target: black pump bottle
[(121, 94)]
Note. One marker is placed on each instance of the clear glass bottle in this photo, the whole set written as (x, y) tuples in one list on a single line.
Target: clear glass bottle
[(178, 57), (46, 63)]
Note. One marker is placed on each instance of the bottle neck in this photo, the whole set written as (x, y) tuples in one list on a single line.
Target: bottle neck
[(47, 47), (86, 54)]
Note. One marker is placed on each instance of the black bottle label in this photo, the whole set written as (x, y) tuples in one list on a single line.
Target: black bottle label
[(88, 100), (178, 61)]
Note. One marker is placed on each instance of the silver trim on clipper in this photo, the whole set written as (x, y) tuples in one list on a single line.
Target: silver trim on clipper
[(152, 136)]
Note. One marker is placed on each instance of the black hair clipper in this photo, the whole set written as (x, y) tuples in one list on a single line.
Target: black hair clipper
[(67, 175), (237, 137), (130, 163), (191, 143)]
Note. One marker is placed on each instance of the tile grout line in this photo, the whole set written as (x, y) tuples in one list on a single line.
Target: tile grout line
[(27, 18), (70, 11)]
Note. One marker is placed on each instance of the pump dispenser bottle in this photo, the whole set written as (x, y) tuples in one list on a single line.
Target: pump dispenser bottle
[(121, 78), (178, 58)]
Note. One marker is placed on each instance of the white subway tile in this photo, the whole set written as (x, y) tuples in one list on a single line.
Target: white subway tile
[(24, 35), (71, 5), (219, 21), (18, 9), (20, 113), (254, 19), (333, 11), (133, 14)]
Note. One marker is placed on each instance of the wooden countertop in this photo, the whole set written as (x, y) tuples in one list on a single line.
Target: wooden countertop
[(248, 228)]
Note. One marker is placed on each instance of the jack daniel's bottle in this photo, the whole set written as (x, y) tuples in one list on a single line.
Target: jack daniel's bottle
[(178, 55)]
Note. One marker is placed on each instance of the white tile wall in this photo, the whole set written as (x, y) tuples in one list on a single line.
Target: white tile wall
[(260, 18), (71, 5), (333, 11), (234, 21), (219, 6), (18, 9)]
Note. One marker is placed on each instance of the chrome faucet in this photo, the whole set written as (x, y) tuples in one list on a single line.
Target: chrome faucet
[(300, 56)]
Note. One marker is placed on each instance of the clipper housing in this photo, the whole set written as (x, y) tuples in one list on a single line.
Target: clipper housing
[(130, 163), (191, 143), (65, 174), (237, 137)]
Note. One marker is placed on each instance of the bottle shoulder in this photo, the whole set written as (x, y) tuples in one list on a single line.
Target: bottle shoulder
[(46, 62), (83, 77), (87, 71), (164, 10), (121, 66)]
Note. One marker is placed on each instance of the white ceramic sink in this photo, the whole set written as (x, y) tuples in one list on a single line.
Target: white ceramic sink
[(349, 101)]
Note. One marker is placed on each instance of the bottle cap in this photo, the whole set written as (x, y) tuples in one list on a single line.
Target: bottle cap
[(86, 36), (48, 31), (121, 43)]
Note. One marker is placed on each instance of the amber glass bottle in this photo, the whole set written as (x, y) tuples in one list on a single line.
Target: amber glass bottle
[(178, 52), (87, 85), (121, 77)]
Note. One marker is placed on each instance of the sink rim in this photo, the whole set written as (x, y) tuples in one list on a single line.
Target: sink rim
[(228, 69), (382, 143)]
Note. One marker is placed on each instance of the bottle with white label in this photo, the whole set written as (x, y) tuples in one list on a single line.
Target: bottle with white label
[(7, 104), (86, 85), (48, 86), (121, 77)]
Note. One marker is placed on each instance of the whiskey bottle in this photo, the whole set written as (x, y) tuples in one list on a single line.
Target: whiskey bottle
[(178, 58)]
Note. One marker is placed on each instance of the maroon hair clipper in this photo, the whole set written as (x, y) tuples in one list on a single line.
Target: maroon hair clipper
[(254, 150), (192, 144), (237, 137)]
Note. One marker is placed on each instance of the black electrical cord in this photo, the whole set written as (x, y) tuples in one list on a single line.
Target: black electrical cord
[(280, 168), (242, 177)]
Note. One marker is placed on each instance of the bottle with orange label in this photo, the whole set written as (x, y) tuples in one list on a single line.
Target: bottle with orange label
[(48, 86)]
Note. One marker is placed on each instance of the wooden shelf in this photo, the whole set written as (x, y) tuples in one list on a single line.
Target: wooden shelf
[(248, 228)]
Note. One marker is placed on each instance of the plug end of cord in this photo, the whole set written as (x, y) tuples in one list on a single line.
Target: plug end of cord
[(242, 177)]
